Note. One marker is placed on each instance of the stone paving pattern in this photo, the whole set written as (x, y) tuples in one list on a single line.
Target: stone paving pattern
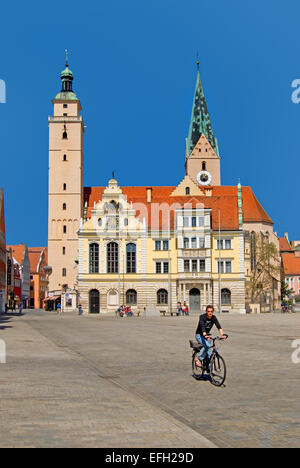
[(101, 381)]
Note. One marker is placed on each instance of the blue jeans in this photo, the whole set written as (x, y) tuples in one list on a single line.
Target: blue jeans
[(206, 350)]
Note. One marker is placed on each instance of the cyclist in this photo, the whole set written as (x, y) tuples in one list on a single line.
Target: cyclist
[(206, 322)]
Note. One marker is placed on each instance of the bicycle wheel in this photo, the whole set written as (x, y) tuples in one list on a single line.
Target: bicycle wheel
[(197, 371), (217, 370)]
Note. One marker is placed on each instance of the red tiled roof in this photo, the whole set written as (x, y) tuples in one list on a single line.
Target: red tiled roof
[(35, 254), (17, 252), (291, 264), (284, 245), (223, 198)]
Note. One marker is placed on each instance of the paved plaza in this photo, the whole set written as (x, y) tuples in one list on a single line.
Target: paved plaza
[(102, 381)]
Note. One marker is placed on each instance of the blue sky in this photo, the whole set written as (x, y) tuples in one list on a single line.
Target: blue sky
[(134, 69)]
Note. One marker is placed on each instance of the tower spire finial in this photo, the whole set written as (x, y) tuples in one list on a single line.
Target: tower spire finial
[(67, 63), (198, 63)]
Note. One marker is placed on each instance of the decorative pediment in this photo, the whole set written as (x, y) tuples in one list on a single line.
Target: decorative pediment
[(187, 183)]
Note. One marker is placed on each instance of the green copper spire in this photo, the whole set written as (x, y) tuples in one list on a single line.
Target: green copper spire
[(66, 76), (200, 120)]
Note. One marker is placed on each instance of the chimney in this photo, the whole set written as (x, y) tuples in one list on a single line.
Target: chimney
[(149, 194)]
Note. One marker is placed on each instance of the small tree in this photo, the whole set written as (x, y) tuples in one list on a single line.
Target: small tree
[(266, 269), (286, 293)]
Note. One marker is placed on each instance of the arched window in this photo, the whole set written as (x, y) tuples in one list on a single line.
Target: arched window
[(253, 250), (65, 157), (225, 297), (187, 190), (162, 297), (94, 258), (204, 166), (100, 222), (131, 258), (131, 297), (112, 257), (65, 187), (64, 206)]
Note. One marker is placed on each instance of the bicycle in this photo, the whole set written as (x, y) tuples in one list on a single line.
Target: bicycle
[(215, 366)]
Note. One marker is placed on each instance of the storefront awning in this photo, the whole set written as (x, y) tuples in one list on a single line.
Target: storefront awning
[(53, 298)]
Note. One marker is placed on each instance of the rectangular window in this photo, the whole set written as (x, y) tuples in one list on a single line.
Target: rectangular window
[(201, 243), (202, 265), (194, 266), (65, 106), (228, 244), (194, 243), (194, 221), (185, 221), (166, 267), (157, 245), (220, 267), (64, 272), (228, 267), (186, 243), (64, 250), (165, 245), (186, 266), (201, 221), (158, 267), (65, 229), (220, 244), (65, 115)]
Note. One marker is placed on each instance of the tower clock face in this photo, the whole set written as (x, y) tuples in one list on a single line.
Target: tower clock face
[(204, 178)]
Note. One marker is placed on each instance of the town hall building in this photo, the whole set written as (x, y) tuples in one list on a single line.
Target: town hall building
[(149, 246)]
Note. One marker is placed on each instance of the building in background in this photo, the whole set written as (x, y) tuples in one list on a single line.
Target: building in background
[(38, 258), (128, 252), (20, 255), (2, 255), (290, 257)]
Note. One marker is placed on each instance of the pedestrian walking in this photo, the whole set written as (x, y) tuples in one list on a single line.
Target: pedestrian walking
[(80, 311), (179, 309), (20, 308)]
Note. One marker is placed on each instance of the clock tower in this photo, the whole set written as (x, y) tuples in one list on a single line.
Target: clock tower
[(202, 160)]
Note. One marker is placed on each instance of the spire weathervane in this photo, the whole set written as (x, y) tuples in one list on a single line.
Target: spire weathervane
[(67, 63)]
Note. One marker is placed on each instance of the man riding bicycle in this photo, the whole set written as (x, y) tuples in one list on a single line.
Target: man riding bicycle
[(206, 322)]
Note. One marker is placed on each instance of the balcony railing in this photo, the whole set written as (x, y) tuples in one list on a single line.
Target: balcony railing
[(65, 118)]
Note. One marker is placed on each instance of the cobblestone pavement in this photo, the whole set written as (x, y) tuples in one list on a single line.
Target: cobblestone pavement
[(105, 381)]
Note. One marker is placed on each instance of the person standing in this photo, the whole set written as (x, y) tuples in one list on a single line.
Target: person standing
[(179, 309), (186, 309)]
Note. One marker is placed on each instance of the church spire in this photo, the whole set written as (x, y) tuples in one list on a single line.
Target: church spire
[(200, 120), (66, 76)]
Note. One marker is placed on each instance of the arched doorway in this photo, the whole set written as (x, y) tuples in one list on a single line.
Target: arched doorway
[(195, 302), (94, 301)]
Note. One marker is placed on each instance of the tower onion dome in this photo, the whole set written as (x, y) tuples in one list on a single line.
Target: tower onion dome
[(67, 92)]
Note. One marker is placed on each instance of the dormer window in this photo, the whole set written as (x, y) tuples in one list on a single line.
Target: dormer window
[(187, 190)]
